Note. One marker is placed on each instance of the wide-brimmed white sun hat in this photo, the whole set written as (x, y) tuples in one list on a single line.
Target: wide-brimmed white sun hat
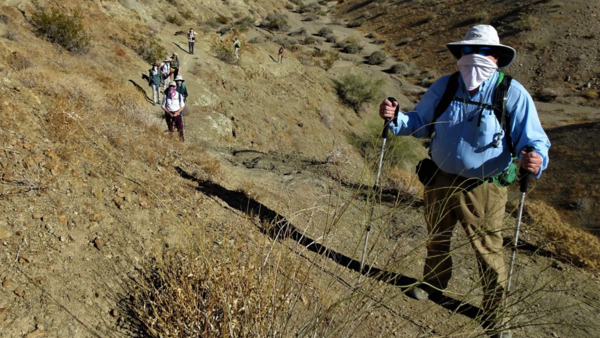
[(179, 78), (484, 35)]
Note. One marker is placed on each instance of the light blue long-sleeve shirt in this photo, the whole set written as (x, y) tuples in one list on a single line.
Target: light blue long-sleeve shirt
[(459, 146)]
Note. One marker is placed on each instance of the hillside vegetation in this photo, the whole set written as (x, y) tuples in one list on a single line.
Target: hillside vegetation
[(255, 226)]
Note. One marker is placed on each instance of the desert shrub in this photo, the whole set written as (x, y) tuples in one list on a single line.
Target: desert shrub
[(299, 32), (187, 14), (175, 19), (5, 19), (355, 89), (400, 68), (224, 53), (289, 7), (351, 48), (325, 31), (331, 38), (309, 40), (223, 20), (355, 23), (213, 23), (284, 41), (311, 17), (222, 297), (547, 95), (224, 29), (329, 59), (17, 61), (246, 22), (255, 40), (148, 48), (590, 94), (63, 29), (529, 23), (276, 21), (377, 58), (308, 8)]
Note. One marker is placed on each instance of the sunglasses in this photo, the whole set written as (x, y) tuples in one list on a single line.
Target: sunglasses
[(483, 51)]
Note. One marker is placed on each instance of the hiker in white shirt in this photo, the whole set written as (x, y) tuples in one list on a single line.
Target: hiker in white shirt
[(173, 104), (191, 40)]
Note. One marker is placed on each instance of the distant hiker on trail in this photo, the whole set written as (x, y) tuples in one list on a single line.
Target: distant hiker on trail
[(154, 81), (181, 88), (470, 147), (174, 65), (173, 103), (165, 70), (191, 40), (236, 46), (280, 54)]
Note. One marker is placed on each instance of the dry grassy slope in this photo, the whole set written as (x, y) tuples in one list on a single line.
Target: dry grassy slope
[(555, 40), (89, 189)]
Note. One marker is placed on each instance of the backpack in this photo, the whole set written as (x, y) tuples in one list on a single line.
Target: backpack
[(426, 168), (498, 106)]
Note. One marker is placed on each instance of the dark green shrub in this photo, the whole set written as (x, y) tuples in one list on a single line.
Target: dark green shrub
[(63, 29), (213, 22), (331, 38), (175, 19), (325, 31), (356, 23), (400, 68), (377, 58), (355, 89), (148, 48), (224, 29), (223, 20), (299, 32), (224, 53), (309, 40), (276, 21), (247, 22), (351, 48), (187, 14)]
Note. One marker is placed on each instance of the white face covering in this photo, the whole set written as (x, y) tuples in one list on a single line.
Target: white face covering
[(475, 69)]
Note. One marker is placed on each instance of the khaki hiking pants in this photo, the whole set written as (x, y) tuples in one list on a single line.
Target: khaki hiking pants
[(480, 211)]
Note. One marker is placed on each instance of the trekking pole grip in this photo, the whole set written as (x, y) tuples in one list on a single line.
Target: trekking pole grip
[(524, 173), (387, 120)]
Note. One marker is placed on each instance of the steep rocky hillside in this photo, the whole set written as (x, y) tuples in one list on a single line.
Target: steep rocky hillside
[(556, 41), (255, 226)]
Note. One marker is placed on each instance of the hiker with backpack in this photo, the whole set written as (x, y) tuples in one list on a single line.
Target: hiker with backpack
[(174, 65), (173, 104), (181, 88), (154, 81), (479, 122), (191, 40), (165, 70), (236, 46)]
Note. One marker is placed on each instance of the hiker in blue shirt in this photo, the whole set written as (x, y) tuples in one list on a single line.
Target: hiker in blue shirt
[(469, 151)]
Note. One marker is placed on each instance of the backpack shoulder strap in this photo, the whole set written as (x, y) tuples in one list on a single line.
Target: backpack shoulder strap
[(447, 97), (500, 94)]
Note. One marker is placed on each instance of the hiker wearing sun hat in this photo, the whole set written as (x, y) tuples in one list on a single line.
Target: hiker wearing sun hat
[(173, 104), (174, 65), (181, 88), (165, 70), (478, 121), (154, 81)]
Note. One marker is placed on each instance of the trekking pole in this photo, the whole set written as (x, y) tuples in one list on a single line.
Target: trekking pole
[(384, 134), (523, 188)]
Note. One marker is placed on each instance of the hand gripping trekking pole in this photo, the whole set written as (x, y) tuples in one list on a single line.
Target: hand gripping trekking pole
[(523, 188), (384, 134)]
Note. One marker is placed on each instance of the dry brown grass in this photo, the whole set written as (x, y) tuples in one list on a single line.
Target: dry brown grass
[(574, 244)]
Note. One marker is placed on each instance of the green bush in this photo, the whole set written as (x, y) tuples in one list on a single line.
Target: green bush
[(175, 19), (225, 54), (148, 48), (331, 38), (356, 23), (309, 40), (246, 22), (377, 58), (63, 29), (400, 68), (277, 22), (351, 48), (325, 31), (213, 22), (355, 89)]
